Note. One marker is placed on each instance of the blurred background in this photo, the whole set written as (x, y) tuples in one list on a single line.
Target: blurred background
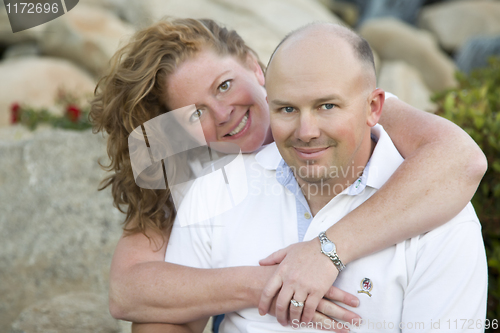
[(57, 232)]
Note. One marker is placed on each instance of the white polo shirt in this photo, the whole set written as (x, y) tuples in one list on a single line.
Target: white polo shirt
[(434, 282)]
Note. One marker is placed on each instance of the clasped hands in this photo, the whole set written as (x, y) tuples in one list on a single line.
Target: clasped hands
[(305, 275)]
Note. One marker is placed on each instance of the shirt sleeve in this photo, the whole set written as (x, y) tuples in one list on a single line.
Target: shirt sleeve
[(447, 290)]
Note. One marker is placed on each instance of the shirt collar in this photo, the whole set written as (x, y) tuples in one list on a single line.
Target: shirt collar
[(384, 161), (269, 157)]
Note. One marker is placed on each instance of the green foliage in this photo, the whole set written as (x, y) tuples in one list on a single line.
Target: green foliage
[(475, 106), (74, 117), (31, 118)]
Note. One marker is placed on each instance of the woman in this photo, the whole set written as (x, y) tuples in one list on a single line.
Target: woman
[(173, 64)]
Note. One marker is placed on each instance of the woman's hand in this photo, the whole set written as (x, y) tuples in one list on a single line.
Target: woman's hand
[(305, 275), (326, 312)]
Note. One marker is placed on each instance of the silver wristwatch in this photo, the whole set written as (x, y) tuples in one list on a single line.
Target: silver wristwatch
[(328, 248)]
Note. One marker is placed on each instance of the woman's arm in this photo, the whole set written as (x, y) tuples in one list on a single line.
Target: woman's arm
[(442, 169), (194, 327), (146, 289), (441, 172)]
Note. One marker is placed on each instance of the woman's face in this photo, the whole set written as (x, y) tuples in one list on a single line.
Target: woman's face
[(229, 96)]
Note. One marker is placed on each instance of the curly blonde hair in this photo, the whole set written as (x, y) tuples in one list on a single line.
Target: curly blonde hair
[(133, 92)]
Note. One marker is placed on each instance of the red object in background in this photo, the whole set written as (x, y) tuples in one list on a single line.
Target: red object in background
[(73, 113), (15, 113)]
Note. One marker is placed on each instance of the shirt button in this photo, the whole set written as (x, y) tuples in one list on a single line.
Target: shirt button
[(307, 215)]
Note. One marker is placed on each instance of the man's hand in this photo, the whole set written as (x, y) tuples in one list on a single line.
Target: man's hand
[(305, 275)]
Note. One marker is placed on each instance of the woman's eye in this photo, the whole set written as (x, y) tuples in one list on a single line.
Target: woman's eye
[(288, 109), (196, 115), (225, 86), (327, 106)]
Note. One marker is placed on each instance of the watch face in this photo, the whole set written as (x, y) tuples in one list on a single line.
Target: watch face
[(328, 247)]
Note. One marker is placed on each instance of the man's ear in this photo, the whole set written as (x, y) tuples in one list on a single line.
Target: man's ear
[(376, 100), (254, 65)]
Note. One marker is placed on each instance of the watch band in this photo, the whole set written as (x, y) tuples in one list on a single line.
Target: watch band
[(331, 254)]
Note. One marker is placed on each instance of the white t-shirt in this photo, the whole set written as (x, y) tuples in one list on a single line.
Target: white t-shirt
[(434, 281)]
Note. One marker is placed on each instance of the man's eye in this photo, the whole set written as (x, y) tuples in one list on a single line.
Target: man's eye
[(196, 115), (225, 86), (287, 109), (327, 106)]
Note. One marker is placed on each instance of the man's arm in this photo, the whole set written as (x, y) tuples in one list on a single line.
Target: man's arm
[(442, 169)]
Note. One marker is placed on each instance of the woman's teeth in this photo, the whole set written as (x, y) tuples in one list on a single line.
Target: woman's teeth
[(240, 126)]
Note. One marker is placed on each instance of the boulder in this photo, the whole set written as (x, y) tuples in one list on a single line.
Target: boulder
[(118, 7), (396, 40), (37, 82), (58, 231), (454, 22), (404, 10), (88, 36), (476, 52), (347, 12), (73, 312), (28, 49), (7, 37), (261, 23), (404, 81)]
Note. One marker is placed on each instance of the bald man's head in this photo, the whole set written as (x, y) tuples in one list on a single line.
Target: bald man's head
[(330, 33)]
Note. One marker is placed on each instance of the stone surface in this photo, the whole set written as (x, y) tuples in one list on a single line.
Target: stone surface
[(395, 40), (36, 82), (7, 37), (404, 10), (455, 22), (347, 12), (90, 33), (58, 231), (476, 52), (404, 81), (88, 36), (261, 23), (28, 49), (72, 312)]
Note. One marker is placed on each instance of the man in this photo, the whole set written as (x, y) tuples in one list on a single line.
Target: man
[(330, 154)]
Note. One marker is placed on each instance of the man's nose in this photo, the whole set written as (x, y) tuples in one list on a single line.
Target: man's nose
[(308, 128), (221, 112)]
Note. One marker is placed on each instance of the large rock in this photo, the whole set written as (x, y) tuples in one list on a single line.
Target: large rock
[(455, 22), (90, 33), (28, 49), (347, 12), (72, 312), (36, 82), (405, 10), (58, 231), (7, 37), (261, 23), (89, 36), (395, 40), (476, 52), (404, 81)]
